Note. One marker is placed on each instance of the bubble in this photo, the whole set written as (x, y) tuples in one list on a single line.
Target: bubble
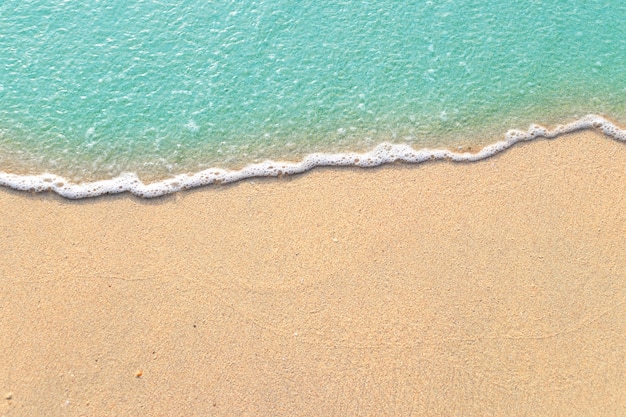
[(192, 126)]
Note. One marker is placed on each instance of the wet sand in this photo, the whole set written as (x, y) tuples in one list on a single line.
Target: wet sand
[(488, 288)]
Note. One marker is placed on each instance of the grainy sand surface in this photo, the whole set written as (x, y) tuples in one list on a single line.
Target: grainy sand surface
[(490, 288)]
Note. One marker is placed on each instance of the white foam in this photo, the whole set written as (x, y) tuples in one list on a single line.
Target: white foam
[(382, 154)]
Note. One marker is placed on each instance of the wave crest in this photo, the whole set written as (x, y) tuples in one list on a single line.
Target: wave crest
[(384, 153)]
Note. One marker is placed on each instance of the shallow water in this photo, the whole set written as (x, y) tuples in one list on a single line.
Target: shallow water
[(91, 90)]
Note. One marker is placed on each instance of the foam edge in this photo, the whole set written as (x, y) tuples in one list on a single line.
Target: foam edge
[(383, 153)]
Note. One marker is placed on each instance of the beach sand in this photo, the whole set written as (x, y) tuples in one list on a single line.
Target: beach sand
[(488, 288)]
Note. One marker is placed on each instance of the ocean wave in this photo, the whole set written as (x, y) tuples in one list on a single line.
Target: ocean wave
[(384, 153)]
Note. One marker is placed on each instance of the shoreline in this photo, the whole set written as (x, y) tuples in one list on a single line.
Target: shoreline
[(382, 154), (491, 288)]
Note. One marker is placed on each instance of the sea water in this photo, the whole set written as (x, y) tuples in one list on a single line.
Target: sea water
[(153, 96)]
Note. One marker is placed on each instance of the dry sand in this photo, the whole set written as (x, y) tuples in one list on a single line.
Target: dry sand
[(492, 288)]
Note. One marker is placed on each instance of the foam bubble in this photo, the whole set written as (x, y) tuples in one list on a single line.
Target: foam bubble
[(384, 153)]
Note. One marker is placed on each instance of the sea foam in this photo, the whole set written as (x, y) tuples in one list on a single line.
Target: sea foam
[(384, 153)]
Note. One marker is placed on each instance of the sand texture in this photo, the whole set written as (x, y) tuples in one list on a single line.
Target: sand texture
[(488, 288)]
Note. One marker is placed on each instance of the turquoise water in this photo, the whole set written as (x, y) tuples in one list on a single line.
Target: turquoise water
[(90, 90)]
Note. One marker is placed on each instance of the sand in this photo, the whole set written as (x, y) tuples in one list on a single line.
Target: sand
[(489, 288)]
